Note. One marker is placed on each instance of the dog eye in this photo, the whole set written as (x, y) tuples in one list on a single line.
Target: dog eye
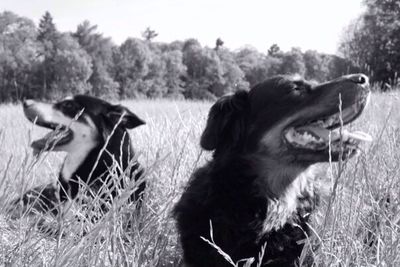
[(298, 90), (68, 105)]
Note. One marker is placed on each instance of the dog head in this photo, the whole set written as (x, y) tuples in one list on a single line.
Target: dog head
[(77, 122), (290, 119)]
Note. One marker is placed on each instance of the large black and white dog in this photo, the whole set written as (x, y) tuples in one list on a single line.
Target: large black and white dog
[(259, 186), (94, 134)]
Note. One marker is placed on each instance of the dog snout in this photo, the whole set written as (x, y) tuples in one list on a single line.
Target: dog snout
[(28, 102), (30, 108), (360, 79)]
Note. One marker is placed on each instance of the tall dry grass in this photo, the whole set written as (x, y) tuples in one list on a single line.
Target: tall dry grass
[(360, 227)]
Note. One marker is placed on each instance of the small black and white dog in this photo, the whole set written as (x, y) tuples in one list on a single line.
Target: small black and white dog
[(94, 134)]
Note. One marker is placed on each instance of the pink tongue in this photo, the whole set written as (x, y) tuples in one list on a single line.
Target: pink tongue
[(49, 140), (46, 142)]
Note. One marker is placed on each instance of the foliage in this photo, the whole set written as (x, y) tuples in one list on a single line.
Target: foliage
[(174, 71), (372, 41), (149, 34), (18, 56), (316, 66), (132, 61), (42, 62), (71, 67), (100, 50), (48, 38), (254, 65), (293, 63)]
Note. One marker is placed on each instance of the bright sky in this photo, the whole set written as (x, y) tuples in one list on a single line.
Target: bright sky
[(308, 24)]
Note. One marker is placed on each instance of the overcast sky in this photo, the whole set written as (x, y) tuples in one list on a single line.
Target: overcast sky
[(308, 24)]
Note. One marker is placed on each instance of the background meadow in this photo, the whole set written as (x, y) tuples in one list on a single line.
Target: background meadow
[(357, 224)]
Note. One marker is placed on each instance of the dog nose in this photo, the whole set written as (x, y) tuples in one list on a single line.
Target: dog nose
[(28, 102), (361, 79)]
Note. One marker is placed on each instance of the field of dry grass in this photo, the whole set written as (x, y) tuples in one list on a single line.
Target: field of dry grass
[(355, 210)]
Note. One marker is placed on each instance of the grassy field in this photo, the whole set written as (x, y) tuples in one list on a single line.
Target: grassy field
[(354, 211)]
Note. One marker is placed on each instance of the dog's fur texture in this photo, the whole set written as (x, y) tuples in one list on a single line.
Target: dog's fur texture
[(259, 186), (94, 134)]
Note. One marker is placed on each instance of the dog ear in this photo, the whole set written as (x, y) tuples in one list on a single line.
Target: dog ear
[(128, 119), (226, 121)]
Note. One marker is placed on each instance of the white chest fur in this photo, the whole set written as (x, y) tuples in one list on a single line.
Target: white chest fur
[(73, 161), (281, 210), (84, 140)]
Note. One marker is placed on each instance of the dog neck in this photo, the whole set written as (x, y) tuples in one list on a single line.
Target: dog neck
[(285, 187), (93, 159), (287, 191), (283, 207), (74, 159)]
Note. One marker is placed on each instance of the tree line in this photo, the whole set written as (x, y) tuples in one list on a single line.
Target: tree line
[(39, 61), (372, 42)]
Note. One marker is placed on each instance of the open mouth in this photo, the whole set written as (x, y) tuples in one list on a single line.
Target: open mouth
[(60, 135), (325, 133)]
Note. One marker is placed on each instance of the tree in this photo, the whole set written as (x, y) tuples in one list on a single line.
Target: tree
[(274, 51), (65, 68), (45, 63), (47, 28), (255, 65), (175, 70), (202, 70), (132, 61), (210, 73), (372, 42), (72, 68), (154, 84), (218, 43), (18, 57), (100, 50), (149, 34), (175, 45), (293, 63), (339, 66), (316, 65), (233, 78), (48, 37)]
